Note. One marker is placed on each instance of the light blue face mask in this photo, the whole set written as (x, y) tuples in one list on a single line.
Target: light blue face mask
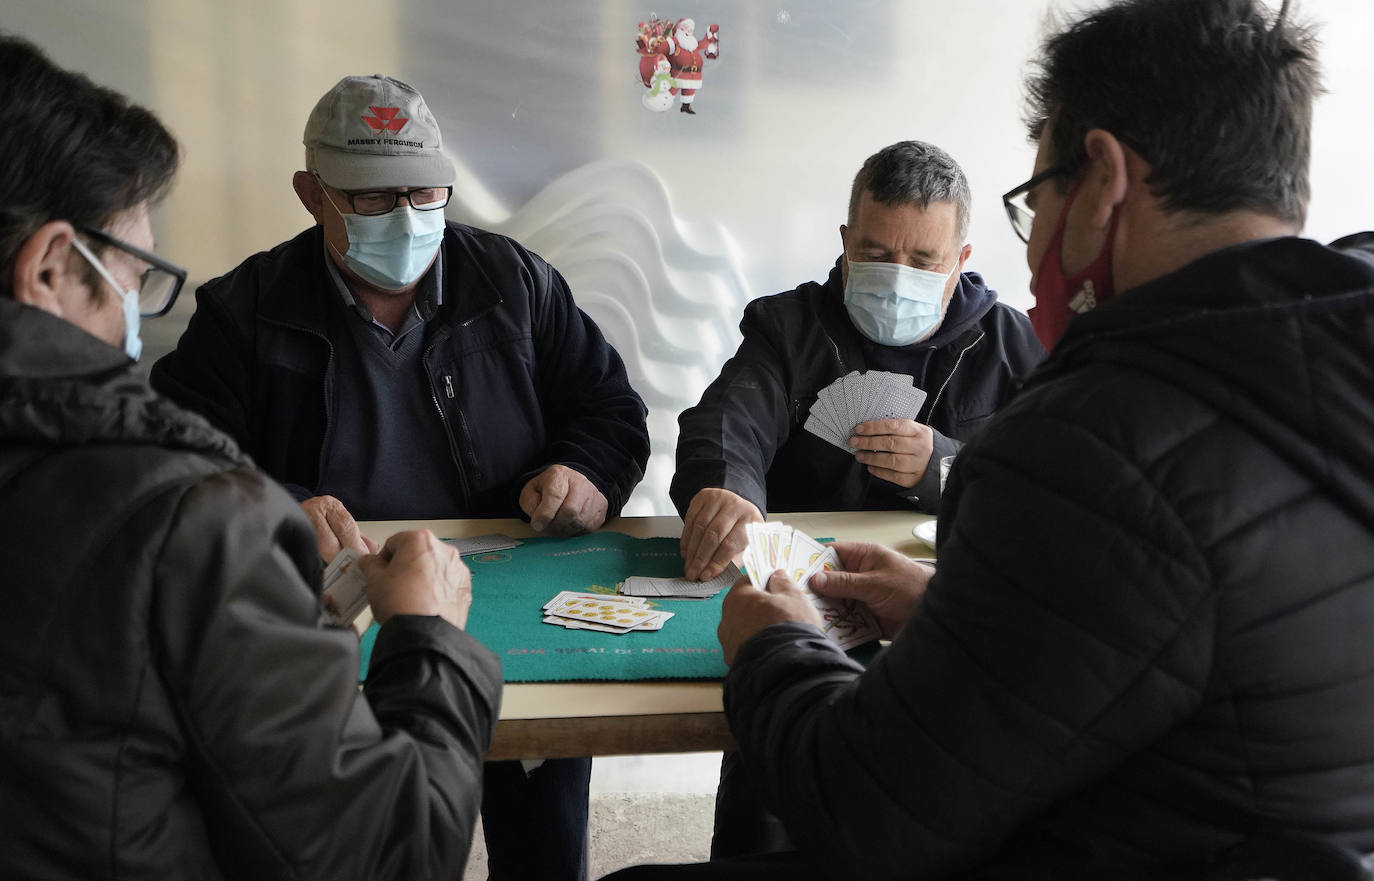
[(133, 345), (893, 304), (391, 250)]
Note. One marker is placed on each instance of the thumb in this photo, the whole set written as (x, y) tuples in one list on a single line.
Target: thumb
[(529, 497), (371, 565), (838, 583), (781, 582)]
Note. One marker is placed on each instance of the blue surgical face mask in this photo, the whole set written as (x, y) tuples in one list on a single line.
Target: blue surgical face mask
[(391, 250), (133, 345), (893, 304)]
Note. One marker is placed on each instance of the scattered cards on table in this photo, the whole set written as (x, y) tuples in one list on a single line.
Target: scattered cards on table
[(483, 544), (679, 588), (345, 588), (605, 613), (862, 397), (774, 546)]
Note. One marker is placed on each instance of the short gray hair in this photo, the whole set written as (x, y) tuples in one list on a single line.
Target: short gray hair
[(911, 172)]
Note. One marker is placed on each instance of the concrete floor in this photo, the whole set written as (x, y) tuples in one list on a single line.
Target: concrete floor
[(644, 809)]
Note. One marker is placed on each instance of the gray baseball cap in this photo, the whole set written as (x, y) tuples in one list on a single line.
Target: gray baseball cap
[(376, 132)]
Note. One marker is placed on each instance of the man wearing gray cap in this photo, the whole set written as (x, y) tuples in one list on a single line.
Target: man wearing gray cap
[(386, 364)]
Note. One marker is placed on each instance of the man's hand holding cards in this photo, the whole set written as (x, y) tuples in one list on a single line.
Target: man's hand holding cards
[(414, 573), (775, 546)]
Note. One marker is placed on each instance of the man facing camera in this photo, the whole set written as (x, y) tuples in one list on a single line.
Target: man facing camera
[(897, 301), (171, 705), (386, 364)]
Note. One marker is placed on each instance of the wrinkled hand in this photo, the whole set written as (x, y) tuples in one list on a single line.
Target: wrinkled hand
[(561, 501), (417, 574), (879, 577), (747, 610), (897, 450), (713, 532), (335, 528)]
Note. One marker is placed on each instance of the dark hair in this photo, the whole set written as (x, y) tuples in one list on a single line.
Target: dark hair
[(913, 171), (70, 150), (1215, 94)]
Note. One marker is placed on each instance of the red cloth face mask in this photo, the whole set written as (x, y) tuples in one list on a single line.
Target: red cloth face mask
[(1059, 297)]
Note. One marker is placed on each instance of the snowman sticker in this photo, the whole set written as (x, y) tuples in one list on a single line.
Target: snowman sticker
[(659, 96)]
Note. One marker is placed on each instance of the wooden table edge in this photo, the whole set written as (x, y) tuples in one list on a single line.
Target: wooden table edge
[(610, 735)]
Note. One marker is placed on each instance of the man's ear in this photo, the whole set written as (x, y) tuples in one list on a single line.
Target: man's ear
[(965, 253), (42, 268), (309, 191), (1107, 176)]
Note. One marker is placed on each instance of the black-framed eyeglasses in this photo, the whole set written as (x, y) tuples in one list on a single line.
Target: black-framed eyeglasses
[(1019, 210), (370, 203), (159, 284)]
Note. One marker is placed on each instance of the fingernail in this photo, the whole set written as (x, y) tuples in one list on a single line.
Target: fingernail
[(818, 580)]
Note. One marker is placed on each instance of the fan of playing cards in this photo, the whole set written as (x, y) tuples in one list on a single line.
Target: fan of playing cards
[(775, 546), (862, 397)]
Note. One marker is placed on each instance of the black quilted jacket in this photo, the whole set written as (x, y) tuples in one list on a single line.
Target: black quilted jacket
[(1152, 630), (170, 705)]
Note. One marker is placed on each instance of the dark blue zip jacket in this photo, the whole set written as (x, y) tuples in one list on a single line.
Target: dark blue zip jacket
[(521, 377)]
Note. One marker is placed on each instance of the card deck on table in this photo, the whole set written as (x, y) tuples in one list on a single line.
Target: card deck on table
[(483, 544), (603, 612), (862, 397), (775, 546), (678, 588), (345, 589)]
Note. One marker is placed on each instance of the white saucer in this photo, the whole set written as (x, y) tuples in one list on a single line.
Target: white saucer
[(925, 531)]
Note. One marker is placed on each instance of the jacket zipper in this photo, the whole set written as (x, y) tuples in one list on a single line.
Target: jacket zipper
[(453, 445), (952, 371)]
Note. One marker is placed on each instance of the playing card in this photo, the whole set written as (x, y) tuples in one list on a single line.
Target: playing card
[(825, 432), (345, 589), (832, 406), (601, 611), (584, 625), (643, 586), (614, 598), (483, 544), (806, 552)]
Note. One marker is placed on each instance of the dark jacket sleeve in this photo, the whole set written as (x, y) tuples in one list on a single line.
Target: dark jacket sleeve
[(207, 372), (729, 438), (1068, 626), (597, 421), (925, 495), (298, 773)]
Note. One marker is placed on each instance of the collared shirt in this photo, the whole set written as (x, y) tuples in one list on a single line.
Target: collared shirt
[(429, 296)]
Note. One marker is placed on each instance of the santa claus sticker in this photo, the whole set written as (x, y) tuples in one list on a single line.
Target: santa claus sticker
[(671, 58)]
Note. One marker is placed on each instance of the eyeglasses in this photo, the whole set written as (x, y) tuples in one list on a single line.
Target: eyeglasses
[(374, 202), (1019, 211), (159, 284)]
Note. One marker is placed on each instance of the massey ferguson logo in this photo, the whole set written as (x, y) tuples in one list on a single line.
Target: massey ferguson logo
[(384, 119)]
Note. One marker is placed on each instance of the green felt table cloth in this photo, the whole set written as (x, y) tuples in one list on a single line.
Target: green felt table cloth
[(510, 588)]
